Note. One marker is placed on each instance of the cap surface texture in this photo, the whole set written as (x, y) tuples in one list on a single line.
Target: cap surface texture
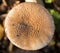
[(29, 26)]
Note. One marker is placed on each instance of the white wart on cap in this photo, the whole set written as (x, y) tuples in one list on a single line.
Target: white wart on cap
[(29, 26)]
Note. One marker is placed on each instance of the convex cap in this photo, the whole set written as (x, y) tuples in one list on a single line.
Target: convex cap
[(29, 26)]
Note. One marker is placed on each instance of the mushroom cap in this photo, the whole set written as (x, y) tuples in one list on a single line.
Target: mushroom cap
[(29, 26)]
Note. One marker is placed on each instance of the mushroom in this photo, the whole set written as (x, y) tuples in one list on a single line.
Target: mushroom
[(29, 26)]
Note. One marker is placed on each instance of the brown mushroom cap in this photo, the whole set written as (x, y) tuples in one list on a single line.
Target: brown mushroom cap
[(29, 26)]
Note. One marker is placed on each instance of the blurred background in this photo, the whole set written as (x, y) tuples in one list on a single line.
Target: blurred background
[(53, 6)]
